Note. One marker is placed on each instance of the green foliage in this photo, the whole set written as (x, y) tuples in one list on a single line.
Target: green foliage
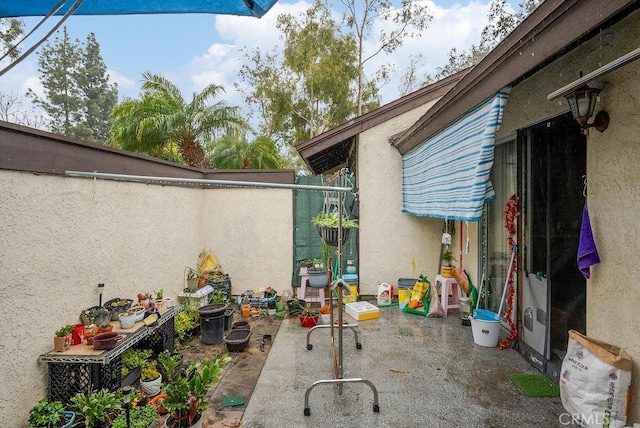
[(99, 95), (330, 220), (447, 258), (77, 94), (162, 116), (409, 20), (236, 152), (12, 28), (187, 390), (150, 372), (140, 417), (133, 358), (64, 331), (185, 321), (307, 87), (100, 406), (48, 414), (501, 23), (218, 297)]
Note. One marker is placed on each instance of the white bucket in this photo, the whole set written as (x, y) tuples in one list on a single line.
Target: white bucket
[(485, 332), (384, 294)]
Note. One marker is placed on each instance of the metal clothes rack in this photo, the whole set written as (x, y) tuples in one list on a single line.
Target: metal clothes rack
[(341, 287)]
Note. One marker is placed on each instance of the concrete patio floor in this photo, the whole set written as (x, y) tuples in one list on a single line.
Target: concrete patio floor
[(427, 371)]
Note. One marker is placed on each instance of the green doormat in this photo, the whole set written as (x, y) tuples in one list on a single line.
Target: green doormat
[(232, 401), (535, 385)]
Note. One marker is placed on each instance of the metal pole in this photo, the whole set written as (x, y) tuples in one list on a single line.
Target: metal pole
[(164, 180)]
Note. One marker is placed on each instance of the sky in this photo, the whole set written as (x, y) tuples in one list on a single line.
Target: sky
[(194, 50)]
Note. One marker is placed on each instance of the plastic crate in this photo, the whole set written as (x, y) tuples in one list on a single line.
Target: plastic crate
[(257, 300), (197, 299)]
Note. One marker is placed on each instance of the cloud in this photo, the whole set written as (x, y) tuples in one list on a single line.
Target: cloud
[(456, 26), (125, 85)]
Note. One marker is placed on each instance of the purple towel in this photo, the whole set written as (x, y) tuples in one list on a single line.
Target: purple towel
[(587, 251)]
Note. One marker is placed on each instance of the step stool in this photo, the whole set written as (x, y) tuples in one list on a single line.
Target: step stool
[(445, 284), (310, 294)]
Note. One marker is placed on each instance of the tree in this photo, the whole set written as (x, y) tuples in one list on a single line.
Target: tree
[(308, 87), (58, 67), (162, 116), (78, 96), (12, 110), (10, 30), (99, 95), (236, 152), (501, 23), (407, 22)]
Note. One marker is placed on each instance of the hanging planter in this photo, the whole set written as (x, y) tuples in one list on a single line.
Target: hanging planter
[(327, 227), (330, 235)]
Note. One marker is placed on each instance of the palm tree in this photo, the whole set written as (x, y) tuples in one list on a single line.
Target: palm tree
[(233, 152), (162, 117)]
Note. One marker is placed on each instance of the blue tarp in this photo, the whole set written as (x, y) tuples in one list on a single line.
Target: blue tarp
[(447, 176), (20, 8)]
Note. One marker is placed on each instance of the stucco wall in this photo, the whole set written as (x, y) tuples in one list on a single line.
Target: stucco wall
[(392, 244), (613, 176), (251, 233), (613, 295), (62, 236)]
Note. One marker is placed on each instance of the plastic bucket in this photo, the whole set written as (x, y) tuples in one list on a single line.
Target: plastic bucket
[(485, 315), (212, 323), (485, 332)]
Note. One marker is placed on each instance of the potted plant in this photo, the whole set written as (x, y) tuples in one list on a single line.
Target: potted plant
[(98, 408), (106, 327), (446, 269), (327, 226), (133, 360), (144, 299), (191, 277), (127, 319), (308, 317), (62, 339), (95, 315), (150, 379), (187, 390), (295, 306), (140, 416), (50, 414), (220, 297), (117, 306)]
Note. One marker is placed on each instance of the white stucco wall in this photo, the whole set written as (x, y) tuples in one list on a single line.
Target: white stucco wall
[(62, 236), (393, 244), (613, 294), (613, 177)]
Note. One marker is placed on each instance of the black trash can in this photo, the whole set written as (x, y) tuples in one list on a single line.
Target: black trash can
[(212, 323)]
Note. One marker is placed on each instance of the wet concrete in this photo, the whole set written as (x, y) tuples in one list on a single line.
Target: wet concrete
[(427, 372)]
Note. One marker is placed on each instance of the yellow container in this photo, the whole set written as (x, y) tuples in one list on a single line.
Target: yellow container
[(404, 294), (353, 297)]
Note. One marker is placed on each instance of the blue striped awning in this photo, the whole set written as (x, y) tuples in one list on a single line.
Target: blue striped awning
[(447, 176)]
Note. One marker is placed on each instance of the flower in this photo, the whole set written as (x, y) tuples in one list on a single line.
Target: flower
[(144, 296)]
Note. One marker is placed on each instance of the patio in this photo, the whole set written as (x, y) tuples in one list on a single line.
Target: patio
[(428, 372)]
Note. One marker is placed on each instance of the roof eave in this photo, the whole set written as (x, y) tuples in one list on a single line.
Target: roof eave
[(543, 35)]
